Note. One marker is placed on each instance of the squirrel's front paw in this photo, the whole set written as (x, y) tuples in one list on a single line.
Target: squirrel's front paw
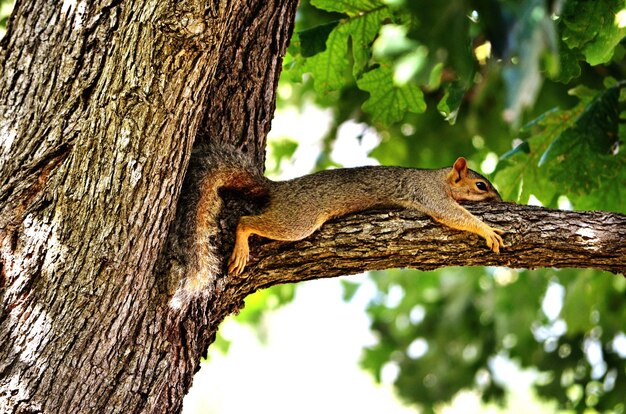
[(494, 241)]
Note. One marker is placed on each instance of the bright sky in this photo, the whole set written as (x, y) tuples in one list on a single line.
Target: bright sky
[(309, 363)]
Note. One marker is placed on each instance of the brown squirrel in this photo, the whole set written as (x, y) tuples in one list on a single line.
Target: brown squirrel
[(298, 207)]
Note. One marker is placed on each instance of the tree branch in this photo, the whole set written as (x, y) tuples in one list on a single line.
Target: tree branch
[(536, 237)]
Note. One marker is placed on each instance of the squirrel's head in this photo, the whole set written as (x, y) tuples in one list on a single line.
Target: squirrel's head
[(467, 185)]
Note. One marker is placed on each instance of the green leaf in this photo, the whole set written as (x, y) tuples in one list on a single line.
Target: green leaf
[(519, 177), (363, 30), (571, 155), (595, 130), (570, 66), (450, 104), (350, 7), (580, 155), (522, 148), (591, 27), (434, 79), (331, 68), (313, 41), (388, 102)]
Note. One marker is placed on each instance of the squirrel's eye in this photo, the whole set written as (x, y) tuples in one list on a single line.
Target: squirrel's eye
[(481, 186)]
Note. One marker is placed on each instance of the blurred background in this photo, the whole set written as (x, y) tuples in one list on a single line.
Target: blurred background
[(532, 92)]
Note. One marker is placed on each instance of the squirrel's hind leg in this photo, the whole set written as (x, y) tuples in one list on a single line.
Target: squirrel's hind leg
[(241, 251), (265, 225)]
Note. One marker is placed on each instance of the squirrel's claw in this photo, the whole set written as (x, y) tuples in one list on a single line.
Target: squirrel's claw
[(494, 240), (497, 230)]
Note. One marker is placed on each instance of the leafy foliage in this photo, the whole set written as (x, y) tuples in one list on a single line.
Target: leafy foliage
[(346, 58), (388, 102), (459, 77), (431, 332), (574, 148), (595, 37)]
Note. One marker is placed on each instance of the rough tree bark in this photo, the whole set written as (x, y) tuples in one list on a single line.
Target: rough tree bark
[(536, 237), (100, 104)]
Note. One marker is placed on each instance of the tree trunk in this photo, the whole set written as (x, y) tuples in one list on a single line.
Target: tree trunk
[(100, 104)]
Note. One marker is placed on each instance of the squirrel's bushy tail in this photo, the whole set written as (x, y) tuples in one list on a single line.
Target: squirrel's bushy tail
[(211, 168)]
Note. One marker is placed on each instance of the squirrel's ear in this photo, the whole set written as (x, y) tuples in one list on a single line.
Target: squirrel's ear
[(460, 169)]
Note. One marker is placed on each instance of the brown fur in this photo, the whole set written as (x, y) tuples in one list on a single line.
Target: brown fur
[(300, 206), (195, 233)]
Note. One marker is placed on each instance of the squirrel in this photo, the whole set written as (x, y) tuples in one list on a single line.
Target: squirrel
[(296, 208)]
